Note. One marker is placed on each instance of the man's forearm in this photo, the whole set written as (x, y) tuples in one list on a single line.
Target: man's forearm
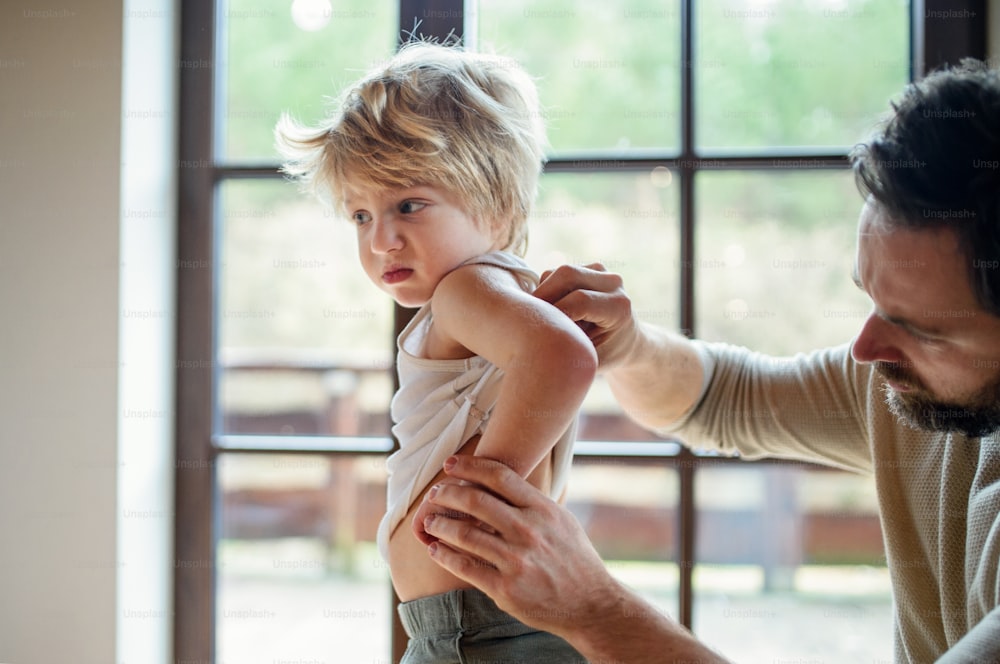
[(658, 378), (627, 630)]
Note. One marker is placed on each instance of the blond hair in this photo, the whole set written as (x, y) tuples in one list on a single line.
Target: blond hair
[(431, 115)]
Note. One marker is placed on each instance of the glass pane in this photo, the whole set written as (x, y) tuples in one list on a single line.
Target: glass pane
[(782, 549), (304, 339), (628, 221), (608, 73), (299, 576), (796, 72), (290, 56), (775, 252), (629, 510)]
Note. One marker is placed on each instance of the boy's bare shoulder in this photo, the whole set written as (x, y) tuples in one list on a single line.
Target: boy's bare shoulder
[(477, 284), (478, 310)]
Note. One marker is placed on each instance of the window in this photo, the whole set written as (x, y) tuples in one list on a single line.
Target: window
[(697, 148)]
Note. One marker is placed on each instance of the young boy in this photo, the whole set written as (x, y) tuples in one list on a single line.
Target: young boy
[(435, 157)]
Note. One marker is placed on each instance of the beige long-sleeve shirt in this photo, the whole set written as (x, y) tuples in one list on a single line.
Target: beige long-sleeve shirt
[(938, 494)]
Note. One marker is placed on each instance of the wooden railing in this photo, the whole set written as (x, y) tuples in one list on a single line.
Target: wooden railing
[(346, 508)]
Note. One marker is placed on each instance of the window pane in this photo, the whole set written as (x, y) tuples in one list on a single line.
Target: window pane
[(608, 74), (629, 511), (299, 576), (782, 549), (289, 56), (626, 220), (775, 253), (796, 72), (304, 339)]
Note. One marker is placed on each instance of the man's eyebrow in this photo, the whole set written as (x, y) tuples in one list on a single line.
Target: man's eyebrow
[(911, 326), (898, 321)]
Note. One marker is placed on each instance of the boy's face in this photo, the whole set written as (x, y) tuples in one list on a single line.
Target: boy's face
[(409, 239)]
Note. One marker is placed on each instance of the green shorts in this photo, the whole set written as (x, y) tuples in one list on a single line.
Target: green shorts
[(466, 627)]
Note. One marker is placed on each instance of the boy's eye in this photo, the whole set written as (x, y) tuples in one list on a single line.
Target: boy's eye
[(361, 217), (409, 207)]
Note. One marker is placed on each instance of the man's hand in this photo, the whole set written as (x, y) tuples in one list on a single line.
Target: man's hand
[(654, 374), (596, 300), (533, 558), (426, 509), (522, 549)]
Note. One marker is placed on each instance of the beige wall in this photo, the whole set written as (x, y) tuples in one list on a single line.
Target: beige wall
[(63, 518), (59, 173)]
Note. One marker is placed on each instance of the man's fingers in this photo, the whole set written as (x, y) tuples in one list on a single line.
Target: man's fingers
[(483, 546), (505, 485), (584, 293), (604, 310), (468, 568), (556, 284)]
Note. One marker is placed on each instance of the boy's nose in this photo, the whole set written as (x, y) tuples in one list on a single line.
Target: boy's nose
[(385, 237)]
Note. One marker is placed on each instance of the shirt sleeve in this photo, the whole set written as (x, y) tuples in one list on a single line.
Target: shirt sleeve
[(808, 407), (980, 644)]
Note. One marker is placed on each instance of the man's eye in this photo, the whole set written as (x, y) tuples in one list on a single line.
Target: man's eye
[(924, 338), (409, 207), (361, 218)]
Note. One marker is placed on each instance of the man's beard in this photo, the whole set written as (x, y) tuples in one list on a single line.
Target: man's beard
[(976, 418)]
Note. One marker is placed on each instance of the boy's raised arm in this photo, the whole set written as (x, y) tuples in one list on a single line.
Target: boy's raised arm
[(548, 361)]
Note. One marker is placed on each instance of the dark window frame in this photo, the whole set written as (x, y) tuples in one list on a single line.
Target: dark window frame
[(934, 41)]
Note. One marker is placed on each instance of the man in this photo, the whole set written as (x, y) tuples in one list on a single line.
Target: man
[(917, 397)]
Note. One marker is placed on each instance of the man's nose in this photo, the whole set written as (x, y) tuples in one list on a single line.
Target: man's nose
[(874, 342)]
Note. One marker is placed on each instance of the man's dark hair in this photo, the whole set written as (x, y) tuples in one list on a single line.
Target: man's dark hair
[(936, 163)]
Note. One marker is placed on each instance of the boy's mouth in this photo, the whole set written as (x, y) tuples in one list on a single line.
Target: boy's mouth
[(396, 275)]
